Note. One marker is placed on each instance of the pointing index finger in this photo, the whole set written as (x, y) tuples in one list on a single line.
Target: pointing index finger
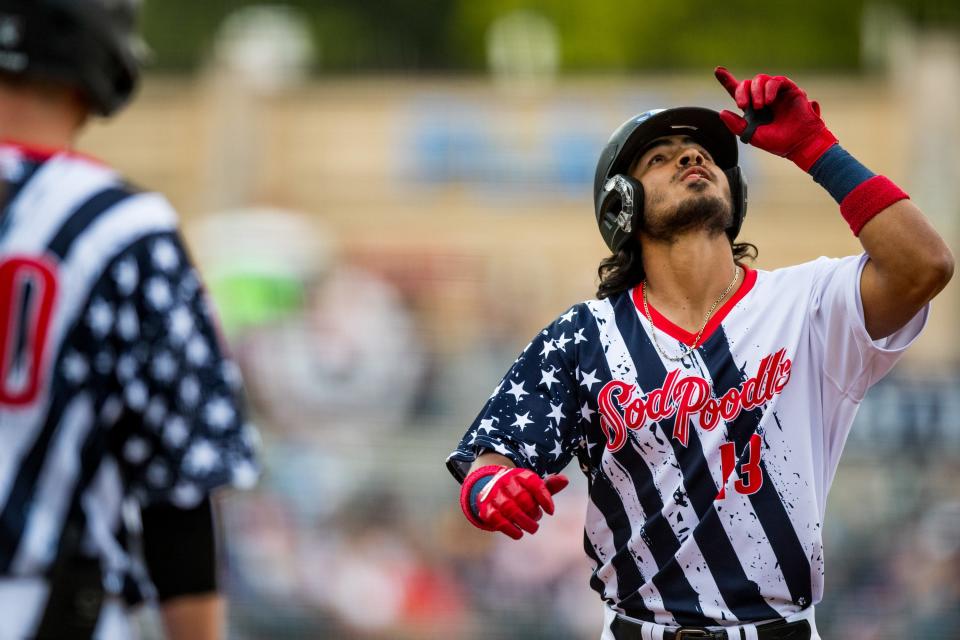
[(726, 79)]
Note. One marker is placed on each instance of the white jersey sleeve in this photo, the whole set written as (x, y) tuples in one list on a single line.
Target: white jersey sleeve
[(852, 360)]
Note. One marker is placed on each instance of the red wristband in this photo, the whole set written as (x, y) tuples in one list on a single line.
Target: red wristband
[(467, 487), (868, 199)]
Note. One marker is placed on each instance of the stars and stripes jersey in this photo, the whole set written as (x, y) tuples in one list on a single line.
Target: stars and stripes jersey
[(114, 387), (707, 477)]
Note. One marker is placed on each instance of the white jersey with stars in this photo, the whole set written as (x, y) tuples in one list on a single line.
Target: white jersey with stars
[(707, 477), (113, 383)]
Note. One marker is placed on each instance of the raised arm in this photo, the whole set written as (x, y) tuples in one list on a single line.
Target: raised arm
[(909, 263)]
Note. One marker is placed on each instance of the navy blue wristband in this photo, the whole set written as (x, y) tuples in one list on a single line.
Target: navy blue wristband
[(475, 492), (839, 172)]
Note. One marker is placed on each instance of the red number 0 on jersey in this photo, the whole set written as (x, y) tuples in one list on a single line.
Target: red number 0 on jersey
[(751, 476), (28, 287)]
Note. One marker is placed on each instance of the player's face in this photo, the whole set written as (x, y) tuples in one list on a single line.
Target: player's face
[(684, 189)]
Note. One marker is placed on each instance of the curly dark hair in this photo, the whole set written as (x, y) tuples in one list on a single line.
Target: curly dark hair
[(623, 270)]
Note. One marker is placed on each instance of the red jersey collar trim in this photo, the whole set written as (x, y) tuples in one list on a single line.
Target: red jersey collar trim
[(41, 153), (661, 322)]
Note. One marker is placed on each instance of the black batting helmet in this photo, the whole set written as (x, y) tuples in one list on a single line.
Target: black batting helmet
[(89, 44), (618, 197)]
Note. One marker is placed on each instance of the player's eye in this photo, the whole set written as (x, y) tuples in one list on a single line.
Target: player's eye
[(656, 159)]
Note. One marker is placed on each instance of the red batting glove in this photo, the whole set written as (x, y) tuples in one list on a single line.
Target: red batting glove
[(796, 131), (513, 501)]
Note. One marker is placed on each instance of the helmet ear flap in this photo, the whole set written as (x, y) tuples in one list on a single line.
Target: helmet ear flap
[(621, 210), (738, 193)]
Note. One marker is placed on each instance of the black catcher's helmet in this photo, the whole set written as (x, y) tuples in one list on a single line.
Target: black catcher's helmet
[(90, 44), (618, 197)]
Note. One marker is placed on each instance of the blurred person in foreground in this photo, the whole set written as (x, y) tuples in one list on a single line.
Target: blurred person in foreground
[(706, 402), (118, 411)]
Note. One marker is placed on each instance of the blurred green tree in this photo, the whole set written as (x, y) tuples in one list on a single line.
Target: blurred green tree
[(595, 35), (379, 35), (665, 35)]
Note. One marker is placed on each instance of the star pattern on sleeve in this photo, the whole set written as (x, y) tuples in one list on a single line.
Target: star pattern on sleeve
[(100, 318), (487, 425), (158, 293), (530, 450), (589, 379), (548, 347), (128, 323), (180, 324), (175, 432), (164, 255), (202, 457), (219, 413), (126, 275), (163, 368), (528, 416), (75, 368), (586, 412), (148, 327), (556, 413), (557, 450), (502, 450), (198, 351), (547, 378), (523, 419), (517, 390)]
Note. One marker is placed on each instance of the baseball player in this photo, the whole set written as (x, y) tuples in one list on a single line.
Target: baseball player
[(706, 402), (118, 410)]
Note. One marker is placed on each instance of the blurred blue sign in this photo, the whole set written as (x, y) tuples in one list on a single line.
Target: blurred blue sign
[(450, 141), (516, 150)]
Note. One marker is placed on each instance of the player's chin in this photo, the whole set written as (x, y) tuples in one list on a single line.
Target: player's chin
[(706, 211)]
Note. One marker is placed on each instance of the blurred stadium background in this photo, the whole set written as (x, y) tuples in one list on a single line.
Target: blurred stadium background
[(389, 198)]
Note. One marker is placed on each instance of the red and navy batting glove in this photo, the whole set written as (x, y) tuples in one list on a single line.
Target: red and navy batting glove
[(779, 117), (496, 498)]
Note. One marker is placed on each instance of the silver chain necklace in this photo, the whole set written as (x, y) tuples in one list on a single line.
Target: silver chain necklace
[(706, 319)]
